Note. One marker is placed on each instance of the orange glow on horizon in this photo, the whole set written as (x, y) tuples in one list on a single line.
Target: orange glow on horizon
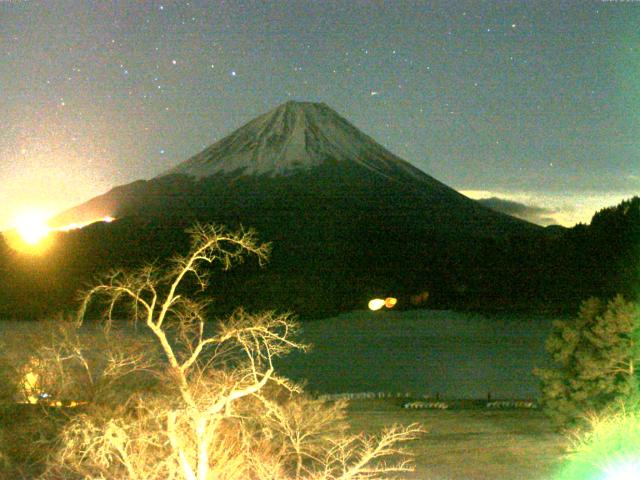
[(31, 234), (32, 227), (78, 225)]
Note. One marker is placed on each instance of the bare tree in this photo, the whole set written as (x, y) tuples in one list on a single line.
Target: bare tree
[(218, 409), (50, 367)]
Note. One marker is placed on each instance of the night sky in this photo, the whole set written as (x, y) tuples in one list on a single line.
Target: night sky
[(536, 103)]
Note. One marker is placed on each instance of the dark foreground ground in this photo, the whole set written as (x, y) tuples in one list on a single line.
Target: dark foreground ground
[(469, 444), (472, 444)]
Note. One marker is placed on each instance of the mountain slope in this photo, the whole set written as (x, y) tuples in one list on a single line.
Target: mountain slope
[(309, 144), (347, 218), (292, 137)]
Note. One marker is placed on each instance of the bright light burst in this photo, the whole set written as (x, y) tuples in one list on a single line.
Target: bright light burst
[(32, 227), (608, 450), (30, 233), (624, 471)]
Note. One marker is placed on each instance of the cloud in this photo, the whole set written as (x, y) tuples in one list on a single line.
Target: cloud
[(530, 213), (549, 208)]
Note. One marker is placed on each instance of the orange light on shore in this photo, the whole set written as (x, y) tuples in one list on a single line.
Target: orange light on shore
[(31, 392), (378, 303)]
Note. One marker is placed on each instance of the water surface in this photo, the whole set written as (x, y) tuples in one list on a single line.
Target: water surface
[(424, 352)]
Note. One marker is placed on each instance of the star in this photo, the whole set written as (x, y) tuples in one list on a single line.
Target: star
[(425, 68)]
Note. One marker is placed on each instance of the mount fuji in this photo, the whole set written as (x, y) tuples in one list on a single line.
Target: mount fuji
[(299, 141), (347, 218), (294, 136)]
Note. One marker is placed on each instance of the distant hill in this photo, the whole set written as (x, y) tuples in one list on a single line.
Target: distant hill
[(602, 258)]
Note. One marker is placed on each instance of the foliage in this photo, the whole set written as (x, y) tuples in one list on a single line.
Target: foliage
[(217, 409), (596, 356), (615, 237)]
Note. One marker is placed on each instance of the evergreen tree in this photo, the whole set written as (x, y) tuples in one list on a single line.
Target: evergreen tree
[(596, 356)]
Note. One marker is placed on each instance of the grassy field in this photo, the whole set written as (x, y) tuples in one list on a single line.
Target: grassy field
[(470, 444)]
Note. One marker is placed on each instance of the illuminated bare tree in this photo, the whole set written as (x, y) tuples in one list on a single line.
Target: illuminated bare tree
[(218, 408)]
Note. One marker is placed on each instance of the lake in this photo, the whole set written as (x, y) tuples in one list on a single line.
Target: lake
[(423, 352)]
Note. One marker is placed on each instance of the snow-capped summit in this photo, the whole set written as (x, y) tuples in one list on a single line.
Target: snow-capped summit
[(292, 137), (299, 156)]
